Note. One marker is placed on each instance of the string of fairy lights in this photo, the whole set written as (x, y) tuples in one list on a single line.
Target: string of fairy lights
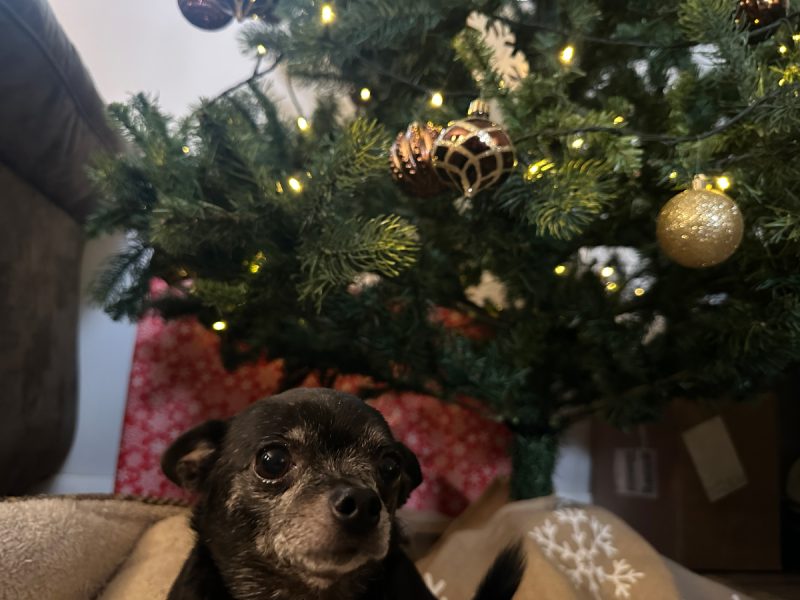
[(436, 98), (567, 56)]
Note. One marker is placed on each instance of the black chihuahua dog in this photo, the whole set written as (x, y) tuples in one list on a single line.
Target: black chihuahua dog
[(297, 501)]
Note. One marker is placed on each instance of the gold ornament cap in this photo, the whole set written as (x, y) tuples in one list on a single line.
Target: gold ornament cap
[(478, 108), (699, 182)]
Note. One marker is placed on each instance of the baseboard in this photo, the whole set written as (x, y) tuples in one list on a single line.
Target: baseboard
[(581, 497), (67, 483)]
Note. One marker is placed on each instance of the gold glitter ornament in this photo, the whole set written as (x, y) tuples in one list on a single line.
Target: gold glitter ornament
[(700, 227)]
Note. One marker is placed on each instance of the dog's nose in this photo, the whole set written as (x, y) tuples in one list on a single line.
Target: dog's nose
[(357, 509)]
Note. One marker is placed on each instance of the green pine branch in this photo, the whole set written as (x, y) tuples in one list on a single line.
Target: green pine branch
[(344, 250), (272, 229), (122, 286)]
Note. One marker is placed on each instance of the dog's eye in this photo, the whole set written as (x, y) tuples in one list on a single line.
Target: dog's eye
[(389, 468), (273, 462)]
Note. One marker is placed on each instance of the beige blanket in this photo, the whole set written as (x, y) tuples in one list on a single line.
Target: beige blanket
[(115, 549)]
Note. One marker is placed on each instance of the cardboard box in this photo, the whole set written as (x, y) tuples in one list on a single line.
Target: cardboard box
[(717, 511)]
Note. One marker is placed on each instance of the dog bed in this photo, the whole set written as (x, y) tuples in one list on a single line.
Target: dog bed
[(111, 548)]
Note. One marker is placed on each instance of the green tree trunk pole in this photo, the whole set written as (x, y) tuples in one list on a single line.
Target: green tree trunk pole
[(533, 463)]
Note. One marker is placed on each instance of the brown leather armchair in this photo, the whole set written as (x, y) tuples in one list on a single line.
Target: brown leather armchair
[(51, 122)]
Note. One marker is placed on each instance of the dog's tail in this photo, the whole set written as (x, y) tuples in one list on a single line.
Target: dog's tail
[(504, 576)]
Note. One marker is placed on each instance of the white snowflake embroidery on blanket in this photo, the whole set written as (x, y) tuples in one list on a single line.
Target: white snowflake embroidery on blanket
[(436, 587), (589, 540)]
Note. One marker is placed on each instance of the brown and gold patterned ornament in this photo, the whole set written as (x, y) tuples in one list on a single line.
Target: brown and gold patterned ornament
[(700, 227), (410, 161), (474, 153)]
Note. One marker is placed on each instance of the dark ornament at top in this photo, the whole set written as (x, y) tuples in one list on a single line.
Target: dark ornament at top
[(757, 14), (474, 153), (216, 14)]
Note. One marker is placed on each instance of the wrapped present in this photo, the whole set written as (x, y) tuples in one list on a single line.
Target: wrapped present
[(177, 381)]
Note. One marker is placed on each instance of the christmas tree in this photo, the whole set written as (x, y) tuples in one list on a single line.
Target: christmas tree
[(291, 238)]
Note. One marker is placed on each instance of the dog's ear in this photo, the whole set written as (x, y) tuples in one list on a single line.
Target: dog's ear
[(412, 473), (189, 459)]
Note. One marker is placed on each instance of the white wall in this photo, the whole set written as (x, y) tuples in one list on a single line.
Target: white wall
[(129, 47), (104, 358), (574, 466), (147, 46)]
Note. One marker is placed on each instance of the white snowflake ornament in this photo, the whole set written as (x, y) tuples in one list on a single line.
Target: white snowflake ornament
[(507, 61)]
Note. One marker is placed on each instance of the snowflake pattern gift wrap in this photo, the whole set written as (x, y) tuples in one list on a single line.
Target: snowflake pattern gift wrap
[(177, 381), (573, 552)]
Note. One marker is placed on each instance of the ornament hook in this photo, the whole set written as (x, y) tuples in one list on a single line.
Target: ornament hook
[(478, 108), (699, 182)]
